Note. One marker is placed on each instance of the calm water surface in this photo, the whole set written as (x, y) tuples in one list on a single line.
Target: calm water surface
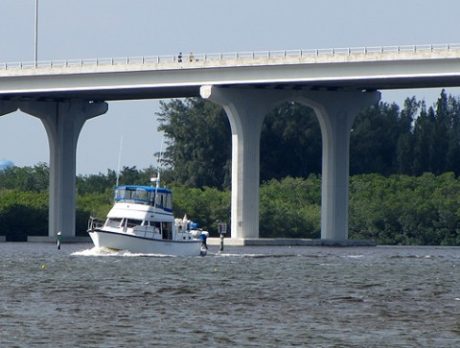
[(246, 297)]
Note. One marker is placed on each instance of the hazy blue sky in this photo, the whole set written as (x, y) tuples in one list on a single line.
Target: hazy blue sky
[(116, 28)]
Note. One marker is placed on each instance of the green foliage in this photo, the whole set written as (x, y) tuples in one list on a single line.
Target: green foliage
[(290, 208), (25, 178), (386, 139), (207, 206), (290, 143), (398, 209), (401, 209), (100, 183), (96, 204), (374, 140), (23, 213), (92, 204), (198, 142), (96, 183)]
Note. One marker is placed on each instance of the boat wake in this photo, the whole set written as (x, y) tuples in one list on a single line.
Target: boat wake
[(102, 251), (95, 251)]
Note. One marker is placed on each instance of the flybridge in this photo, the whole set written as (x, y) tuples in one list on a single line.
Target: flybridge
[(157, 196)]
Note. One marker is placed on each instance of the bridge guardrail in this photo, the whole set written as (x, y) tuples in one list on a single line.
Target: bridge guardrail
[(220, 58)]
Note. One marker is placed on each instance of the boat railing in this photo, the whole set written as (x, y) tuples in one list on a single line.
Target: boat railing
[(94, 223), (143, 231)]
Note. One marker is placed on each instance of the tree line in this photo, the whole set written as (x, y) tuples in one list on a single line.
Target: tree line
[(385, 139), (395, 209)]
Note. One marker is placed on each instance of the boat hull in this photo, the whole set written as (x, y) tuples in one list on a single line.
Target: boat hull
[(136, 244)]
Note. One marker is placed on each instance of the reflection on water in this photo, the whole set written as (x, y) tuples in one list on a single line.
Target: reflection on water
[(258, 297)]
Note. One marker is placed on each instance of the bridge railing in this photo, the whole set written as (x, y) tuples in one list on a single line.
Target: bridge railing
[(222, 59)]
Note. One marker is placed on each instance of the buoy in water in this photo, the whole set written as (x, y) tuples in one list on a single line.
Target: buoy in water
[(58, 240)]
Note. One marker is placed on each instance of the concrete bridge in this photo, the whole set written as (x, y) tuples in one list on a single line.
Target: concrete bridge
[(335, 83)]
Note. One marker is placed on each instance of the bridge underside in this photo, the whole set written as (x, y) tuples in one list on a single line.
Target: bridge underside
[(167, 92)]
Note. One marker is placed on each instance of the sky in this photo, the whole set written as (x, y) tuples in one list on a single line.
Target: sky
[(118, 28)]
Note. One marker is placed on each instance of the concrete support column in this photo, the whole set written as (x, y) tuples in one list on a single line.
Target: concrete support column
[(63, 122), (336, 112), (246, 110)]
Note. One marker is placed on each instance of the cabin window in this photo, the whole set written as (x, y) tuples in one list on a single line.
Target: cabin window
[(166, 228), (153, 223), (163, 200), (133, 222), (168, 201), (156, 225), (151, 198), (159, 200), (119, 194), (141, 195), (134, 195), (113, 222)]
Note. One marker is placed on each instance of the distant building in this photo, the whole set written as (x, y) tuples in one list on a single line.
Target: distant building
[(5, 164)]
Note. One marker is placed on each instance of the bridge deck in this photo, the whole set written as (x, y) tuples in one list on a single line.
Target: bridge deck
[(217, 60), (368, 68)]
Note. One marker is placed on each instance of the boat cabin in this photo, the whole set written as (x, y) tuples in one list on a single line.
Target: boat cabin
[(142, 228)]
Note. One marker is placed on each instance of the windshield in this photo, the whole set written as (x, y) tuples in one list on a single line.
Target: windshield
[(161, 198), (135, 195)]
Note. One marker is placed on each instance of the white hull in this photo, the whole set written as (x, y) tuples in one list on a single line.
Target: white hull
[(122, 241)]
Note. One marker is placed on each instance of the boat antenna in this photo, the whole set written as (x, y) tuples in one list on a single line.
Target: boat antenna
[(157, 179), (119, 160), (160, 157)]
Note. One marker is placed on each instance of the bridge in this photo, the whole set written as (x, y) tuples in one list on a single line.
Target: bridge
[(335, 83)]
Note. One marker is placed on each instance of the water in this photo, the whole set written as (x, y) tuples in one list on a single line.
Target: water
[(247, 297)]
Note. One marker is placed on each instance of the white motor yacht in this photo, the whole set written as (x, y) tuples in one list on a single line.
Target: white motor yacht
[(142, 221)]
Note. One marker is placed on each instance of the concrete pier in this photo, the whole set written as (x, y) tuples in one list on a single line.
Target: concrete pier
[(246, 110), (63, 122)]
